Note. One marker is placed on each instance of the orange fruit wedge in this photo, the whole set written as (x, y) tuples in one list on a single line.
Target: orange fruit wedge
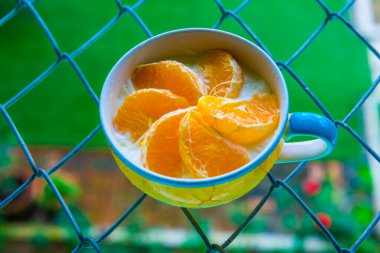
[(243, 122), (160, 145), (204, 152), (221, 73), (140, 109), (170, 75)]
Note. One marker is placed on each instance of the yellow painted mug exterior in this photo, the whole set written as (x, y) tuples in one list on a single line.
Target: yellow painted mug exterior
[(196, 193), (206, 196)]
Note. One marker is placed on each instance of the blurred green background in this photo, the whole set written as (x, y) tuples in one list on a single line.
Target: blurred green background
[(59, 113)]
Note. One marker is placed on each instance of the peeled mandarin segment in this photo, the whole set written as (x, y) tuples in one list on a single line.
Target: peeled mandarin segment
[(243, 122), (204, 152), (140, 109), (170, 75), (160, 147), (221, 73)]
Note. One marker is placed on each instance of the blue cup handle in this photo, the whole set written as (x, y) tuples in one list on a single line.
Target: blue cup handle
[(312, 125)]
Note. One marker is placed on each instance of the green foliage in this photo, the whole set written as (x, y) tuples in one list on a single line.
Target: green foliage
[(69, 191)]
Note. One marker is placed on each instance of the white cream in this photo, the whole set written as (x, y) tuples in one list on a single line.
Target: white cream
[(253, 84)]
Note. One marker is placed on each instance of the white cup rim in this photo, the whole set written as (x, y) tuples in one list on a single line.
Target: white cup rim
[(212, 181)]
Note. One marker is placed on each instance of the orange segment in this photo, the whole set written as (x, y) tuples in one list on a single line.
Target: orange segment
[(140, 109), (160, 146), (170, 75), (242, 122), (221, 73), (204, 152)]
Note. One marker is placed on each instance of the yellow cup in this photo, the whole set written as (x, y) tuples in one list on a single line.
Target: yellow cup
[(214, 191)]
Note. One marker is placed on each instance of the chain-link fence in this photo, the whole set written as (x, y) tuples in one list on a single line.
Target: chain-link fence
[(276, 183)]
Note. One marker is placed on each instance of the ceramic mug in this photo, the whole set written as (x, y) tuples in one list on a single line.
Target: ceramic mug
[(214, 191)]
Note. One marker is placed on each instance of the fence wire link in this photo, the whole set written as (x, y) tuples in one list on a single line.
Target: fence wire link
[(44, 174)]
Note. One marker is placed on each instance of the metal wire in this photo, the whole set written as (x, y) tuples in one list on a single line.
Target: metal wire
[(276, 184)]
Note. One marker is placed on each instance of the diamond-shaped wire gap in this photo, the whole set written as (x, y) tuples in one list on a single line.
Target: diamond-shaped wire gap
[(317, 31), (44, 232), (351, 74), (105, 28), (279, 200), (224, 219), (338, 60), (173, 15), (25, 54), (69, 17), (312, 215), (360, 36), (22, 165), (299, 19), (90, 170), (56, 110), (361, 208), (60, 160), (97, 60), (95, 171), (345, 20), (291, 220), (341, 185)]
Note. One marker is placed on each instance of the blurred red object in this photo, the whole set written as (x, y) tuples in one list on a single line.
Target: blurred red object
[(325, 219), (311, 187)]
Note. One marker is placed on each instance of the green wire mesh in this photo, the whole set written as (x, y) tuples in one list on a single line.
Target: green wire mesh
[(276, 183)]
